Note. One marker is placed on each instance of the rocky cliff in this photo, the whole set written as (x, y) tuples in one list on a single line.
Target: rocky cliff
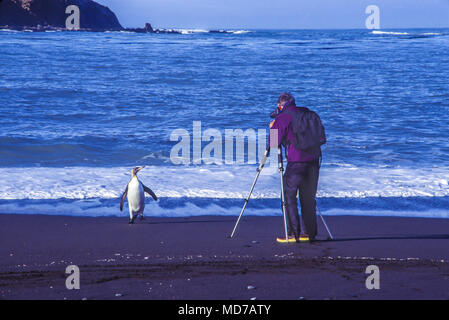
[(48, 14)]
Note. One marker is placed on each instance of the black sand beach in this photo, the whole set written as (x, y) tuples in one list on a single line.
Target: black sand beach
[(193, 258)]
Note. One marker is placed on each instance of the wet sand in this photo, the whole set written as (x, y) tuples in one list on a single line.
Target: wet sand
[(194, 258)]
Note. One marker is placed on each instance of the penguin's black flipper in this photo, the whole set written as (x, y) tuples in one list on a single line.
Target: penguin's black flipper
[(122, 200), (149, 191)]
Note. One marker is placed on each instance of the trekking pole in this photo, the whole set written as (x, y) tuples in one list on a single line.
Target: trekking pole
[(325, 224), (259, 169), (281, 172)]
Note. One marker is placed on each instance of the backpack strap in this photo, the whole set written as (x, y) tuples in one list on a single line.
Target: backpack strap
[(287, 143), (293, 115)]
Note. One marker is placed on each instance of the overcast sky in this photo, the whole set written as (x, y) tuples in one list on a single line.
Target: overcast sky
[(279, 14)]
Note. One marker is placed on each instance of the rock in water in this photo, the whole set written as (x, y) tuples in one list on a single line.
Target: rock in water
[(148, 27), (46, 14)]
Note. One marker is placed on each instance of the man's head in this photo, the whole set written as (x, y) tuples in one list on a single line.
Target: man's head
[(285, 99)]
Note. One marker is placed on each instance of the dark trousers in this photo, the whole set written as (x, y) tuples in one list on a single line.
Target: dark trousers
[(302, 176)]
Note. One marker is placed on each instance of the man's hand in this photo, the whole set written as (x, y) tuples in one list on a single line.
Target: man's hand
[(272, 123)]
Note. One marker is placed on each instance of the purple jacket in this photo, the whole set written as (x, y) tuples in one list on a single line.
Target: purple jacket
[(282, 124)]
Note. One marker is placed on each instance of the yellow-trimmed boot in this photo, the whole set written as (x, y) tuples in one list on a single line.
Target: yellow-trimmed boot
[(304, 237), (291, 239)]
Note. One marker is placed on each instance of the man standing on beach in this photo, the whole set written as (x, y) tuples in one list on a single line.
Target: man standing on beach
[(295, 125)]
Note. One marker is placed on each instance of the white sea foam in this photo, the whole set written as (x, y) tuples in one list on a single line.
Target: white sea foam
[(241, 31), (388, 32), (190, 31), (211, 190), (221, 182), (379, 32)]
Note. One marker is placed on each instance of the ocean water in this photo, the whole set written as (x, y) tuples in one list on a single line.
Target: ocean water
[(79, 110)]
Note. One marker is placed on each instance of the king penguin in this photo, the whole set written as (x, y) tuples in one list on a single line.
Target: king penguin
[(135, 190)]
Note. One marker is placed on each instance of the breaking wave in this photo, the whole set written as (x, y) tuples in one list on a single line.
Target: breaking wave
[(220, 190), (389, 32), (218, 182)]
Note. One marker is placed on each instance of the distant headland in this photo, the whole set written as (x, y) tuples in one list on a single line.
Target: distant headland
[(52, 15), (42, 15)]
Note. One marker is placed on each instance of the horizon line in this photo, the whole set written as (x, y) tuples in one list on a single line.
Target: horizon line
[(284, 29)]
